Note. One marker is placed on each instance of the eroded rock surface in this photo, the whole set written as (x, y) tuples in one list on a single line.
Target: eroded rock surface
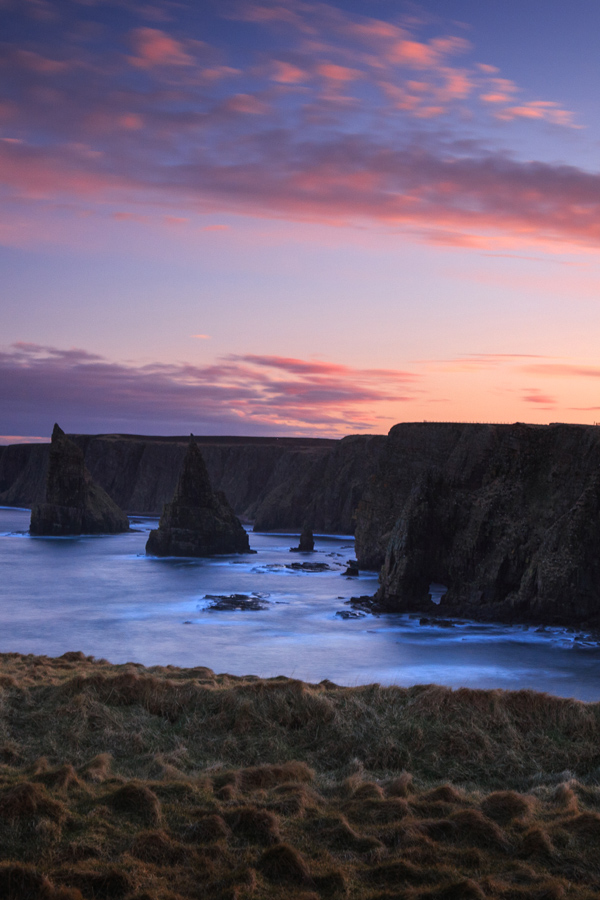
[(74, 503), (198, 521), (506, 516)]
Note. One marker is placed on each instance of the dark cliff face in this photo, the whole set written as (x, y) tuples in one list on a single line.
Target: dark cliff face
[(278, 483), (323, 489), (508, 517), (198, 521), (73, 502)]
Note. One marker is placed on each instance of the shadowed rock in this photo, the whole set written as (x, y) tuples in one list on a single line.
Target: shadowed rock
[(307, 542), (506, 516), (198, 521), (74, 503)]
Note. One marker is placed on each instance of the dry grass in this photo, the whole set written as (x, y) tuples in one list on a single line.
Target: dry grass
[(168, 784)]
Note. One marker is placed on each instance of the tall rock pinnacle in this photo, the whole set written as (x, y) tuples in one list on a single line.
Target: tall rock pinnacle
[(198, 521), (74, 503)]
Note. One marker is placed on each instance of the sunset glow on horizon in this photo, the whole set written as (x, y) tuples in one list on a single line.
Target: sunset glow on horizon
[(298, 218)]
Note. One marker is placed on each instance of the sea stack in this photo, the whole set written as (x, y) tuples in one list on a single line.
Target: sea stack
[(198, 521), (307, 541), (74, 503)]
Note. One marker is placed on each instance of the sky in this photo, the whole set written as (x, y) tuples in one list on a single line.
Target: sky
[(263, 217)]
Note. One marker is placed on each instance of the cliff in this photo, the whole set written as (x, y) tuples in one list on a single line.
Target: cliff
[(507, 517), (73, 502), (198, 521), (271, 481)]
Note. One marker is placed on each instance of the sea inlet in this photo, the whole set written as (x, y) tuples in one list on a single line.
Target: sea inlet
[(271, 613)]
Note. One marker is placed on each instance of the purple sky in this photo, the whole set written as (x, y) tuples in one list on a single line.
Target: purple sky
[(297, 218)]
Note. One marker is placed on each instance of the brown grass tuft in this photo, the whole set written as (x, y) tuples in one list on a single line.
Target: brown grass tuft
[(564, 796), (293, 799), (504, 806), (445, 793), (260, 777), (283, 863), (136, 800), (402, 872), (376, 811), (98, 768), (26, 800), (110, 884), (586, 826), (254, 825), (61, 779), (536, 842), (18, 882), (474, 827), (466, 889), (400, 786), (208, 830), (331, 883), (158, 848), (368, 790), (438, 829), (337, 834)]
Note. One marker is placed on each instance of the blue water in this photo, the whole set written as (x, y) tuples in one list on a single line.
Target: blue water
[(103, 596)]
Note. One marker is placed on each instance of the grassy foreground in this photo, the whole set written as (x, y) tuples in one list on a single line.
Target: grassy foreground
[(165, 784)]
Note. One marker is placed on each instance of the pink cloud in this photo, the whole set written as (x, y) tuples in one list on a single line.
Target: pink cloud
[(246, 103), (153, 47), (538, 398), (564, 370), (414, 54), (286, 73), (179, 133), (338, 73)]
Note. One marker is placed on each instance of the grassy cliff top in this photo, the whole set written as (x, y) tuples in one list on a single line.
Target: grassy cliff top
[(168, 784)]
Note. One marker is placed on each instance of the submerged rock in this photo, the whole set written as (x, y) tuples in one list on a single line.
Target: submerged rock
[(74, 503), (307, 542), (198, 521), (223, 603)]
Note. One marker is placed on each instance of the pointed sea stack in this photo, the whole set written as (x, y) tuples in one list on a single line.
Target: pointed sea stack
[(198, 521), (74, 503)]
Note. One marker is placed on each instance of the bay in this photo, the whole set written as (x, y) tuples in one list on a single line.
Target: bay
[(102, 595)]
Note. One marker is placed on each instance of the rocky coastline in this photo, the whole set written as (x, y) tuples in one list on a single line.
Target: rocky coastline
[(507, 517)]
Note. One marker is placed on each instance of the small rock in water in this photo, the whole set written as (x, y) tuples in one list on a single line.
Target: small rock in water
[(350, 614), (439, 623), (351, 571), (234, 601), (308, 567), (307, 542)]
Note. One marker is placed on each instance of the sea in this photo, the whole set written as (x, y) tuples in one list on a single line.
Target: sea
[(270, 613)]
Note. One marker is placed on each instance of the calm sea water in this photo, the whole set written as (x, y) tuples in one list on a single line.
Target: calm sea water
[(103, 596)]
